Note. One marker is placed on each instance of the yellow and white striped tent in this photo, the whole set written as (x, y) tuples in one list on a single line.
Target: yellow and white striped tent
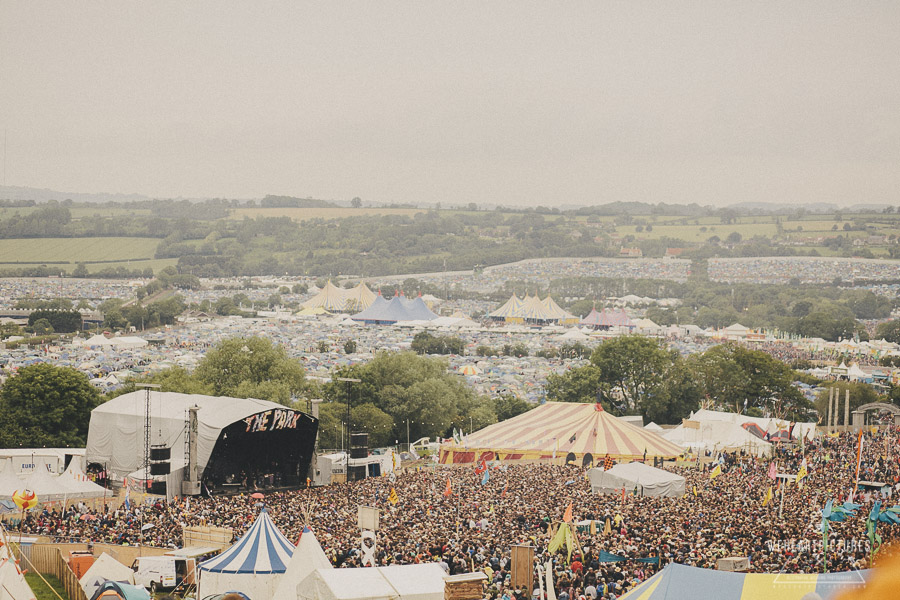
[(553, 431), (532, 309), (334, 299)]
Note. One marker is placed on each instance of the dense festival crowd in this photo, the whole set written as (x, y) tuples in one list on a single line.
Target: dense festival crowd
[(474, 526)]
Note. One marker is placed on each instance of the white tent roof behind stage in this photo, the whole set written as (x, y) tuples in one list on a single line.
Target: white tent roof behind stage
[(10, 483), (399, 582), (116, 431), (718, 436), (650, 481), (767, 424)]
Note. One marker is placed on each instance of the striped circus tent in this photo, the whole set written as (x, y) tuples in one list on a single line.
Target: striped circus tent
[(510, 309), (532, 309), (334, 299), (680, 582), (559, 431), (253, 565)]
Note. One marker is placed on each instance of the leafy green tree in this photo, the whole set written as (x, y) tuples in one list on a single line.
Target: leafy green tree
[(582, 384), (632, 368), (252, 367), (46, 406), (407, 386), (889, 331), (426, 343), (729, 374), (508, 406), (42, 327), (173, 379), (374, 421), (350, 347), (62, 321)]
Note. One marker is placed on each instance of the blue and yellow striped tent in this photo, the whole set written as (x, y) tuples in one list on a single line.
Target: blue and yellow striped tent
[(680, 582)]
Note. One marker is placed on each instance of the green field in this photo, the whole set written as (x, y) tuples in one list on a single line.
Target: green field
[(40, 588), (71, 250)]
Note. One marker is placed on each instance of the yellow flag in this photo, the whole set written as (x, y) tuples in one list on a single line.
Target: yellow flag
[(716, 472), (801, 474), (392, 498), (695, 490), (607, 529), (768, 496)]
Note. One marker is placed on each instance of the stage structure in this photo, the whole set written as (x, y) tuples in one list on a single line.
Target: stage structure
[(212, 444)]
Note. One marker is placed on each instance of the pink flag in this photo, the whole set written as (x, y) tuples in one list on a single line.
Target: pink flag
[(773, 472)]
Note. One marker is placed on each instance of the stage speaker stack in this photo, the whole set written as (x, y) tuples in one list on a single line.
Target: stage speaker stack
[(359, 448), (159, 460)]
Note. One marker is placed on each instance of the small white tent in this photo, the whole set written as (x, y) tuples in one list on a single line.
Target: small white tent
[(308, 556), (10, 483), (400, 582), (105, 568), (648, 480), (12, 582)]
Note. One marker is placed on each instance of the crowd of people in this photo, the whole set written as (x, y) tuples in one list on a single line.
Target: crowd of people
[(474, 524)]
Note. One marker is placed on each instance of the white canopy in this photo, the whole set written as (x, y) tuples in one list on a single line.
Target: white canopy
[(10, 483), (648, 480), (718, 436), (769, 425), (48, 487), (105, 568), (74, 478), (308, 556), (400, 582)]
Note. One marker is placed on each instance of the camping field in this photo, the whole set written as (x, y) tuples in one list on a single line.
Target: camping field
[(306, 214), (72, 250)]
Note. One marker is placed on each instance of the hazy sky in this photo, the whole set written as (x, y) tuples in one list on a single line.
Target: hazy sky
[(497, 102)]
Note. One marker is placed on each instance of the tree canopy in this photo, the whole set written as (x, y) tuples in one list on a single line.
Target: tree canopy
[(46, 406)]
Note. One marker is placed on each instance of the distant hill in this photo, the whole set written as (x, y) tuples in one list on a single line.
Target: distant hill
[(271, 201), (11, 192)]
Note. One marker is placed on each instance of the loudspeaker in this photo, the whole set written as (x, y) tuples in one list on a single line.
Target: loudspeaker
[(158, 488), (159, 468), (160, 453)]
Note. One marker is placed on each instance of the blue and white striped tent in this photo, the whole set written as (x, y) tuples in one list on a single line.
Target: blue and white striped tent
[(253, 565), (680, 582)]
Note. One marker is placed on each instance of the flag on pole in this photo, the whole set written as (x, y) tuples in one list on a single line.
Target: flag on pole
[(695, 491), (449, 490), (567, 517), (768, 497), (716, 472), (502, 495), (773, 471), (487, 475), (801, 474), (607, 463), (392, 498), (481, 468)]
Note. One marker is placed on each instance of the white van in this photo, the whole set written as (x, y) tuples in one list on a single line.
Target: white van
[(162, 572)]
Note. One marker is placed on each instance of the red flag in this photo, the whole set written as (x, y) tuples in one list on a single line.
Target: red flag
[(481, 468), (567, 517), (503, 494), (449, 490)]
